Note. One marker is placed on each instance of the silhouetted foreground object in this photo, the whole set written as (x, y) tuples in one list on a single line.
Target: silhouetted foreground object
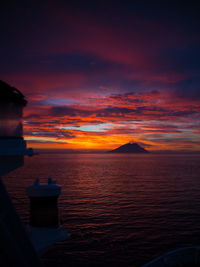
[(16, 248), (129, 148), (45, 228), (12, 103), (20, 246), (12, 144), (44, 203)]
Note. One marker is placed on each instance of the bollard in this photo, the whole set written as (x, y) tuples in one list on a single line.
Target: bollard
[(44, 204)]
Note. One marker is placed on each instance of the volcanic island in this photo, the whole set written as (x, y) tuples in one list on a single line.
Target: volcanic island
[(129, 148)]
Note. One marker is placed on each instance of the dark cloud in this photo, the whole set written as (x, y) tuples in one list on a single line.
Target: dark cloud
[(106, 112), (57, 63), (120, 112), (56, 133), (38, 141), (189, 89), (68, 111)]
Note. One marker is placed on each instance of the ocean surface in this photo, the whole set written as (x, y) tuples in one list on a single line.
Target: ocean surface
[(120, 209)]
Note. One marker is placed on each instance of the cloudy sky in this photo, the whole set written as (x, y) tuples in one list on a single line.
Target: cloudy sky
[(98, 74)]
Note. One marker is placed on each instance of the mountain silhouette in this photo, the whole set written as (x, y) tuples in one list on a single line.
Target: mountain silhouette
[(129, 148)]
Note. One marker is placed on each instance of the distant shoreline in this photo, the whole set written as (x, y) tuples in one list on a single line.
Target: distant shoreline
[(66, 151)]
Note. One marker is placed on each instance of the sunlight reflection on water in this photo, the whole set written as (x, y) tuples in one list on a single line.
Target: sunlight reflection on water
[(121, 210)]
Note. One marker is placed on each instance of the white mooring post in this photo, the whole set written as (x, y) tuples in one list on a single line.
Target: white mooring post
[(45, 228), (44, 203)]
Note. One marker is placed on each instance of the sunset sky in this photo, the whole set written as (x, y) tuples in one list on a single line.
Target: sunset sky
[(98, 74)]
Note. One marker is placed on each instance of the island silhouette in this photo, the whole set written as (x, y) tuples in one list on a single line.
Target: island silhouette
[(129, 148)]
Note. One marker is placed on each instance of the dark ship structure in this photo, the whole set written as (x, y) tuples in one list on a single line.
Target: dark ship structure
[(19, 245)]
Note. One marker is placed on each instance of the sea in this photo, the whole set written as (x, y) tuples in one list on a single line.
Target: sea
[(120, 209)]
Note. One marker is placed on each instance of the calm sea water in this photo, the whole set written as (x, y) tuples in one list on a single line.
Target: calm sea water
[(121, 210)]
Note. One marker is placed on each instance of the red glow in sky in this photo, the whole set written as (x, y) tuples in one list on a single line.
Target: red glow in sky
[(99, 75)]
